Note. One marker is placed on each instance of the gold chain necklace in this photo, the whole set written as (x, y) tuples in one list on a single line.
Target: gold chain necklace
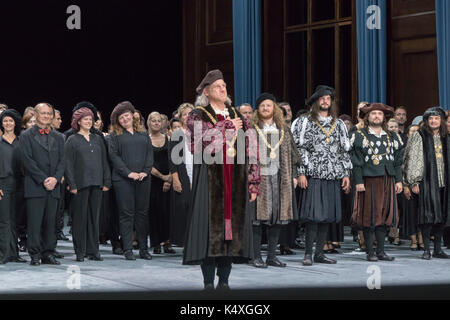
[(438, 151), (325, 132), (231, 151), (378, 157), (272, 155)]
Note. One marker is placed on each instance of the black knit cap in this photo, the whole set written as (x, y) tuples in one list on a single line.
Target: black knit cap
[(320, 92), (86, 104), (434, 111), (265, 96), (15, 115), (120, 109)]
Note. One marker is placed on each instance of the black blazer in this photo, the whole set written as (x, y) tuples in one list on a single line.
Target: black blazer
[(41, 162)]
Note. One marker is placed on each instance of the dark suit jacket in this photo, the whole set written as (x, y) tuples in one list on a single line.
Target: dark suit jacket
[(41, 162)]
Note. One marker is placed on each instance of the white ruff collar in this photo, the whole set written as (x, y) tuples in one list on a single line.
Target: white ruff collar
[(223, 113)]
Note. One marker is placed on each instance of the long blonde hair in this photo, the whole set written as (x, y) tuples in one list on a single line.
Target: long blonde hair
[(277, 117)]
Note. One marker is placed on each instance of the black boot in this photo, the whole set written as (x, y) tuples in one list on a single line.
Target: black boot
[(95, 257), (440, 255), (144, 254), (384, 257), (259, 263), (129, 255), (274, 262), (321, 258), (50, 260), (426, 255), (307, 260)]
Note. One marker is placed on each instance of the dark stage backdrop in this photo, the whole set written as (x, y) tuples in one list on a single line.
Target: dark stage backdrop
[(125, 50)]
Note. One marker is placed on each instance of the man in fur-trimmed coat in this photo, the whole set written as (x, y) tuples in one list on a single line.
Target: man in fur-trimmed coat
[(279, 161), (219, 228)]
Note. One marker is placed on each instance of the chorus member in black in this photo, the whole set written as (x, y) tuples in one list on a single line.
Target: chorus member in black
[(11, 177), (43, 160), (181, 163), (131, 154), (161, 183), (87, 174)]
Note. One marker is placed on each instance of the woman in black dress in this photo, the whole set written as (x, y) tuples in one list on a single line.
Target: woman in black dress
[(182, 177), (11, 179), (159, 216), (131, 153)]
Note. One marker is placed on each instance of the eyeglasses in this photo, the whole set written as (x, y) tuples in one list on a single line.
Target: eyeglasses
[(45, 113)]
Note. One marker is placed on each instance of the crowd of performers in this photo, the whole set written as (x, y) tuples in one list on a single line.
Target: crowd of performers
[(294, 182)]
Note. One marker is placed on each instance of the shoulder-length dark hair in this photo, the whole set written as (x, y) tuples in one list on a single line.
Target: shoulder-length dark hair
[(384, 125), (443, 131), (315, 108)]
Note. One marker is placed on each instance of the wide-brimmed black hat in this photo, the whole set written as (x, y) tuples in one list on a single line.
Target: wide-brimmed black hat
[(15, 115), (320, 92), (368, 108)]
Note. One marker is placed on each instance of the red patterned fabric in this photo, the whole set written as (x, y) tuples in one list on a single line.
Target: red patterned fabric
[(44, 131), (228, 187)]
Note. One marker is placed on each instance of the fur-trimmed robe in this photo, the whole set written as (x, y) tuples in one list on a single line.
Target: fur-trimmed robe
[(206, 227)]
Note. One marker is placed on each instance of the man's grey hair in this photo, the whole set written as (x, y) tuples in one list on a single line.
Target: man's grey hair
[(203, 101)]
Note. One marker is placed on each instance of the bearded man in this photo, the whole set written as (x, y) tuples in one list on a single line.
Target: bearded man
[(428, 173), (377, 160), (322, 141)]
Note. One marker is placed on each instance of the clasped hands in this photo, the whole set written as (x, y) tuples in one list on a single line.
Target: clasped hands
[(137, 176)]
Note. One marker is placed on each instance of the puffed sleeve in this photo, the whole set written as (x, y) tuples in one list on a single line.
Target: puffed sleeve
[(298, 133), (414, 162)]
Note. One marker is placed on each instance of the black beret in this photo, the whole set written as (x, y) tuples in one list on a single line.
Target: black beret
[(86, 104), (15, 115), (265, 96)]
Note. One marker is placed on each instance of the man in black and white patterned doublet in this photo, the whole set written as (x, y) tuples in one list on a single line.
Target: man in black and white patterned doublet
[(323, 143)]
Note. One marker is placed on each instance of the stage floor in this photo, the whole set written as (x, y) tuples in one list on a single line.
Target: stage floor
[(166, 273)]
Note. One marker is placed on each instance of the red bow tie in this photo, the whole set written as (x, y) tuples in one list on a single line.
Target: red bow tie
[(44, 131)]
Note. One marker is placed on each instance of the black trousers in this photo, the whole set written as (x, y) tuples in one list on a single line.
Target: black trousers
[(41, 214), (60, 211), (85, 222), (110, 219), (273, 234), (8, 236), (316, 232), (133, 201), (223, 265), (21, 213)]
